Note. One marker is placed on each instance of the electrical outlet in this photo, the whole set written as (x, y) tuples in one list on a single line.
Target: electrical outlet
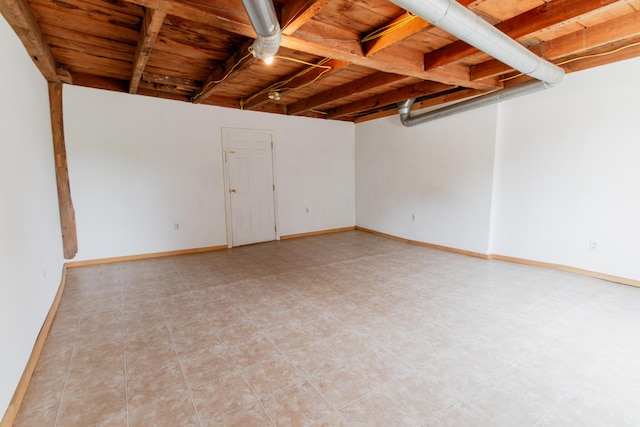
[(593, 246), (413, 217), (306, 210), (176, 226)]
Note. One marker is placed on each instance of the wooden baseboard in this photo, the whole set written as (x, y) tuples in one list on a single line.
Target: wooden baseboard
[(425, 244), (594, 274), (144, 256), (317, 233), (12, 411), (523, 261), (580, 271)]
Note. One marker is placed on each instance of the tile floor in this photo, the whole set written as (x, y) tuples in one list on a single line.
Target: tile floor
[(344, 329)]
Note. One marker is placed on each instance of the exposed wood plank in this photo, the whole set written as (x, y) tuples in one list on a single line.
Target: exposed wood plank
[(227, 18), (344, 91), (297, 12), (170, 80), (296, 82), (393, 97), (151, 25), (541, 17), (237, 62), (403, 32), (431, 102), (618, 29), (65, 204), (19, 15)]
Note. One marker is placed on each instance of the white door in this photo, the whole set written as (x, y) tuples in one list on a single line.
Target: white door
[(249, 172)]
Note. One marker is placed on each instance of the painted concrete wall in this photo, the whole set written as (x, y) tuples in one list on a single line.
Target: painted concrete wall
[(30, 243), (440, 171), (568, 173), (139, 165)]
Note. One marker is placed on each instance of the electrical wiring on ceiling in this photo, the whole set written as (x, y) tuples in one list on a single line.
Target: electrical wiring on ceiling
[(580, 58), (389, 28), (281, 85)]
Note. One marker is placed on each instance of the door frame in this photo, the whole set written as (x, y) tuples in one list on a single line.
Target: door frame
[(227, 196)]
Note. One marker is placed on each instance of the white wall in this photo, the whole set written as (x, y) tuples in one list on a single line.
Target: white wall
[(139, 165), (30, 243), (568, 172), (440, 171)]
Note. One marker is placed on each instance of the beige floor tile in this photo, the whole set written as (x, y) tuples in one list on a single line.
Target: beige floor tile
[(334, 419), (297, 405), (420, 396), (206, 368), (177, 410), (222, 396), (314, 358), (91, 406), (254, 351), (272, 376), (150, 386), (342, 385), (41, 416), (374, 324), (376, 409), (252, 415)]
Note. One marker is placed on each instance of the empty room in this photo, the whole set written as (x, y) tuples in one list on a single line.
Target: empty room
[(320, 213)]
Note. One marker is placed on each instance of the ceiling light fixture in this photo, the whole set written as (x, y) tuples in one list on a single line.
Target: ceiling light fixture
[(274, 95), (264, 20)]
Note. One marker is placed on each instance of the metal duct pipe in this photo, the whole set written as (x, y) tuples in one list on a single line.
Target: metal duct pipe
[(462, 23), (264, 20), (404, 108), (459, 21)]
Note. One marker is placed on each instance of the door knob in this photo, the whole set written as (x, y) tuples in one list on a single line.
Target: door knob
[(233, 190)]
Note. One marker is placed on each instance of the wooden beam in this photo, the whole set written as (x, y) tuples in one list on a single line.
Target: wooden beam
[(615, 30), (312, 76), (231, 18), (240, 60), (297, 12), (392, 97), (65, 204), (344, 91), (544, 16), (19, 15), (151, 25), (431, 102), (402, 32)]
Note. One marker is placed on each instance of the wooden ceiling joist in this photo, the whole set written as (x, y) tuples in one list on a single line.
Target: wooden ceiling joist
[(431, 102), (544, 16), (404, 28), (312, 76), (618, 29), (237, 62), (320, 44), (297, 12), (19, 15), (392, 97), (197, 50), (344, 91), (151, 25)]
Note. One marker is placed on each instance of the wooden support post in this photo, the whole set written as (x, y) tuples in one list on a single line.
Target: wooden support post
[(67, 213)]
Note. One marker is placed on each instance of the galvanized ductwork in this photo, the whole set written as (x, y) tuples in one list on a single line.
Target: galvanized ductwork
[(462, 23), (264, 20)]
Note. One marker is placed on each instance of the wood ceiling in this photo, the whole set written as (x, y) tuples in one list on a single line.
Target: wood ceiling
[(350, 60)]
